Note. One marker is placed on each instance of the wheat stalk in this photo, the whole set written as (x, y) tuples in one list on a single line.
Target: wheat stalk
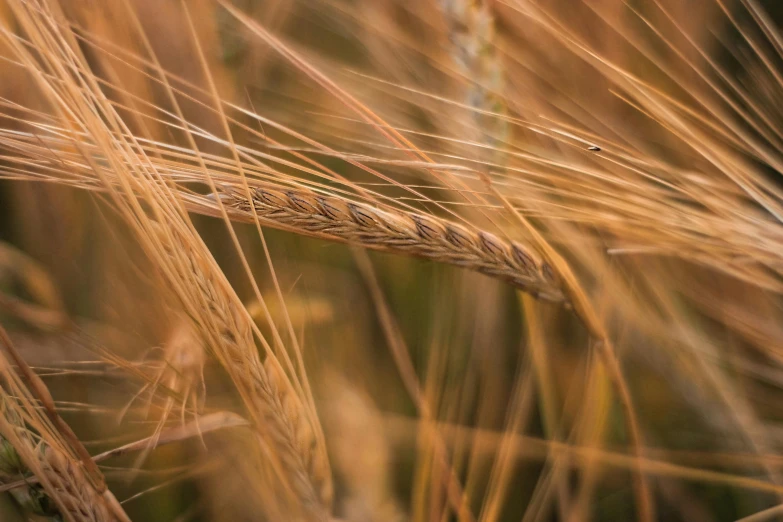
[(334, 217)]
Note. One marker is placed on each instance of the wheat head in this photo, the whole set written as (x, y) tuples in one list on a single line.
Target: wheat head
[(64, 490), (276, 409), (334, 217), (472, 35)]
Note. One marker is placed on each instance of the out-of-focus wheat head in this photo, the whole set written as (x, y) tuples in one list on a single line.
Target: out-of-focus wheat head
[(175, 374), (68, 489), (472, 33), (362, 453)]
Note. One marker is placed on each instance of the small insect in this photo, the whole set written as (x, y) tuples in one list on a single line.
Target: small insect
[(594, 148)]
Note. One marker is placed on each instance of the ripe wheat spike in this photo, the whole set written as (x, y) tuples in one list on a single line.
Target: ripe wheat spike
[(402, 232), (278, 413)]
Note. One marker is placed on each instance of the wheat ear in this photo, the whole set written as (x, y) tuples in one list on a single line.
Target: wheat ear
[(471, 32), (64, 490), (388, 229), (277, 411), (30, 497), (76, 488)]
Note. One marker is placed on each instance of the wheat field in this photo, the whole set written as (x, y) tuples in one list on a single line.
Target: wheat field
[(391, 260)]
